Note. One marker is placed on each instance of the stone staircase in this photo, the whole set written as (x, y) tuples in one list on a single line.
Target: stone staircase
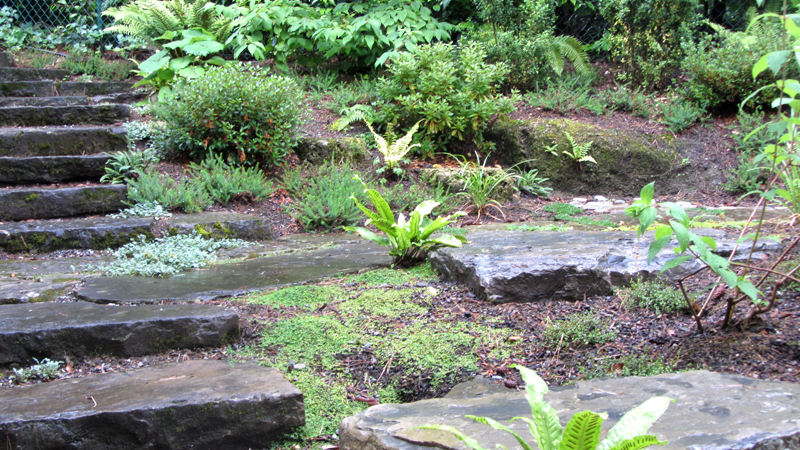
[(54, 132)]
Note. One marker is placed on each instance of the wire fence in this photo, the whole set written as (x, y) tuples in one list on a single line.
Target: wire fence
[(57, 13)]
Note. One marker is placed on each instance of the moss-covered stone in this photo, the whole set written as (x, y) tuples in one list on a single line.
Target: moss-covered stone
[(626, 161), (315, 150)]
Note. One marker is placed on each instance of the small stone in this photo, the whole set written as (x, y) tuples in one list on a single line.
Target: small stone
[(422, 284), (600, 198), (432, 291), (619, 202), (300, 366), (580, 200)]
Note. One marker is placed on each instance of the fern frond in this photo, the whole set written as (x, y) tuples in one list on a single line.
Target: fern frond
[(572, 49)]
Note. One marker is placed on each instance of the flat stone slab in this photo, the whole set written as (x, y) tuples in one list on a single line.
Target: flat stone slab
[(51, 169), (80, 330), (107, 232), (24, 74), (56, 88), (225, 280), (189, 405), (712, 411), (33, 291), (37, 116), (61, 141), (523, 266), (44, 101), (5, 60), (40, 203)]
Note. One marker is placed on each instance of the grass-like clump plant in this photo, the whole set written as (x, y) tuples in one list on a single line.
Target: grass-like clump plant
[(583, 429), (166, 256), (580, 329), (127, 164), (655, 295)]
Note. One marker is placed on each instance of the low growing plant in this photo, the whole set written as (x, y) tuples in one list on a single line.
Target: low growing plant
[(144, 209), (655, 295), (127, 164), (224, 182), (562, 209), (479, 185), (44, 370), (324, 196), (578, 330), (187, 195), (529, 181), (583, 429), (393, 151), (408, 240), (680, 115)]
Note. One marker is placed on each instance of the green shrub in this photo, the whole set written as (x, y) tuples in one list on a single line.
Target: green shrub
[(240, 112), (452, 90), (622, 98), (224, 182), (166, 256), (655, 295), (747, 176), (646, 36), (719, 68), (324, 197), (577, 330), (188, 195)]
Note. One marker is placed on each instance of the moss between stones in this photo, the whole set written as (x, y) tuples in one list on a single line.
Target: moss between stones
[(316, 151), (626, 161), (31, 198)]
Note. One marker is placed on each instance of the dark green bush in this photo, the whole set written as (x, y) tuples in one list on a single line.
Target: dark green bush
[(646, 36), (224, 182), (188, 195), (241, 112), (324, 198), (451, 89), (719, 68)]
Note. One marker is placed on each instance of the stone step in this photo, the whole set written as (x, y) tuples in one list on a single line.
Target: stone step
[(44, 101), (107, 232), (51, 169), (61, 141), (8, 74), (49, 203), (523, 266), (189, 405), (711, 411), (226, 280), (5, 60), (28, 116), (42, 290), (83, 330), (56, 88)]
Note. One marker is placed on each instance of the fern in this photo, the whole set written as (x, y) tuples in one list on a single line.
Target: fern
[(579, 152), (557, 49), (355, 113), (150, 19)]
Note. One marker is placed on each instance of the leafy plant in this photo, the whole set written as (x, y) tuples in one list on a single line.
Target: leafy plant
[(566, 95), (452, 91), (623, 98), (480, 185), (578, 152), (580, 329), (393, 152), (44, 370), (187, 195), (529, 181), (583, 429), (747, 176), (223, 182), (166, 256), (127, 164), (144, 209), (324, 197), (409, 240), (655, 295), (237, 111), (679, 115), (152, 19), (403, 198)]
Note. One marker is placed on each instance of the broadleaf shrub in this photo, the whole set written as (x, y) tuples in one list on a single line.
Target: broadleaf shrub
[(241, 112)]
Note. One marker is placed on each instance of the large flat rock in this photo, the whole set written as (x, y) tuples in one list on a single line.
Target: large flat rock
[(44, 101), (47, 203), (51, 169), (33, 291), (107, 232), (61, 141), (712, 411), (225, 280), (39, 116), (522, 266), (190, 405), (80, 330), (24, 74)]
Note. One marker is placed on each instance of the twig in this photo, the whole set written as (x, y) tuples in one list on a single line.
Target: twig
[(384, 368), (92, 399)]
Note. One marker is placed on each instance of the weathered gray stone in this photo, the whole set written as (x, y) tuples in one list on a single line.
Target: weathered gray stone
[(57, 141), (449, 178), (189, 405), (8, 74), (37, 203), (51, 169), (712, 412), (55, 88), (31, 116), (81, 330), (33, 291), (626, 161), (90, 89), (5, 60), (225, 280), (122, 97), (43, 101), (28, 89), (107, 232), (317, 150), (523, 266)]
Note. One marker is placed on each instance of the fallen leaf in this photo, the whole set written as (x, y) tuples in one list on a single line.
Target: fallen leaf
[(514, 338)]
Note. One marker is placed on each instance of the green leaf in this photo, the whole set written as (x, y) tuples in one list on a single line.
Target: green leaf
[(760, 66), (672, 263), (426, 207), (663, 231), (646, 218), (748, 289), (582, 432), (647, 193), (192, 72), (775, 60), (676, 211), (656, 247), (203, 48), (635, 422), (179, 63), (710, 242), (682, 233), (639, 442), (545, 426), (367, 234), (165, 94), (448, 240), (155, 62), (498, 426)]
